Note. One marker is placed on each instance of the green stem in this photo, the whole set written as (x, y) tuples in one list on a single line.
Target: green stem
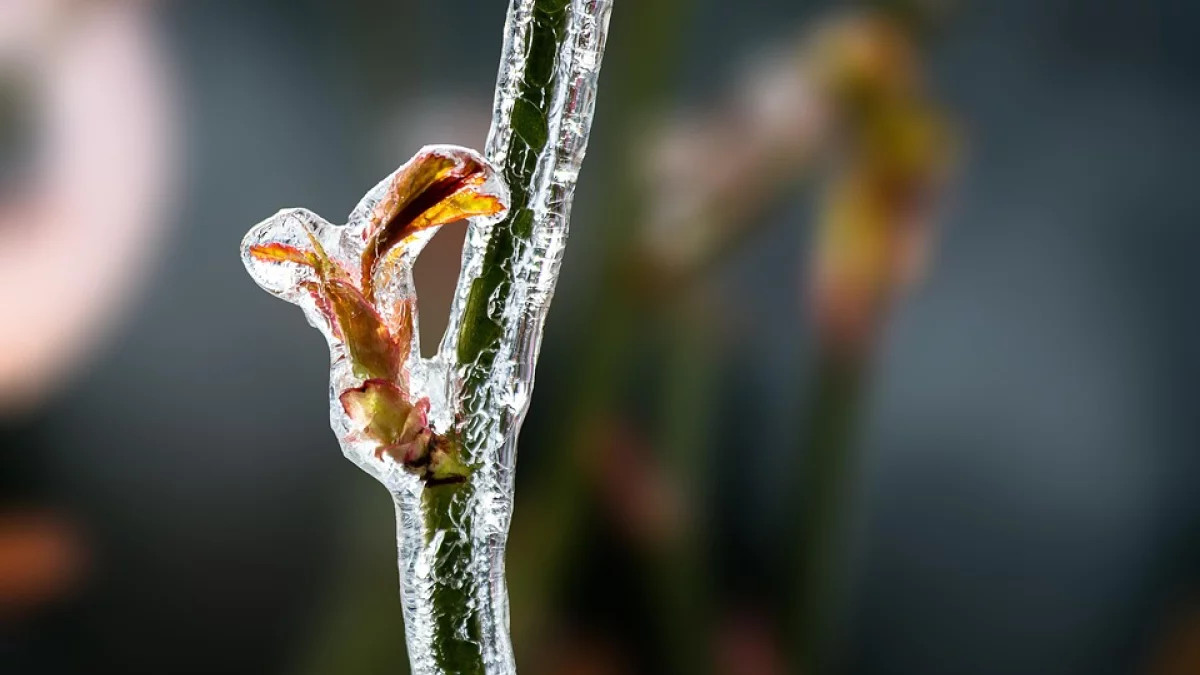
[(481, 332), (544, 104), (825, 464), (678, 566), (448, 507), (558, 494), (456, 643)]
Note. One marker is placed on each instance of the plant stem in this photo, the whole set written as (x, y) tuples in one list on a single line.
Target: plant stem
[(819, 508), (679, 567), (456, 647), (545, 98), (529, 135), (651, 32)]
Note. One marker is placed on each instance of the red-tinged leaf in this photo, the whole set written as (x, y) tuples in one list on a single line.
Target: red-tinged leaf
[(445, 465), (436, 187), (327, 268), (401, 325), (324, 306), (280, 253), (380, 410), (316, 258), (418, 420), (374, 354), (465, 203), (373, 351), (412, 454), (416, 179)]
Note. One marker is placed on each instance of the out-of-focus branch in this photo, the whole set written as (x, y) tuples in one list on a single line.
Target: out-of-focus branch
[(894, 155)]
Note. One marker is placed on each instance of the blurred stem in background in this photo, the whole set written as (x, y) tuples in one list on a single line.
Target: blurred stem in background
[(824, 473), (762, 153), (871, 245), (678, 559), (854, 93)]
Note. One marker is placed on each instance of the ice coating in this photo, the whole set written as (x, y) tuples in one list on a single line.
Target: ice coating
[(276, 252), (441, 433), (497, 381)]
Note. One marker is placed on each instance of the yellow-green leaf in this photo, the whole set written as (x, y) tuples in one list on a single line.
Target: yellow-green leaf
[(438, 186), (374, 354), (381, 411)]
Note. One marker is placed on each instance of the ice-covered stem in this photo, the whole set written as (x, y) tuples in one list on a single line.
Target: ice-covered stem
[(441, 433), (545, 98)]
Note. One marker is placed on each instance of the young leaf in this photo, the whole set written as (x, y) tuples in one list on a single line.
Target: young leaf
[(280, 253), (438, 186), (412, 454), (374, 354), (381, 411), (446, 467)]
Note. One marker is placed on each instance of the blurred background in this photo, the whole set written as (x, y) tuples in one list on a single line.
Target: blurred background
[(875, 344)]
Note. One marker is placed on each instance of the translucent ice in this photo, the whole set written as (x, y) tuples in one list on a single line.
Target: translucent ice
[(441, 433)]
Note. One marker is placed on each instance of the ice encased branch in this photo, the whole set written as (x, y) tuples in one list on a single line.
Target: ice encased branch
[(468, 401), (492, 388)]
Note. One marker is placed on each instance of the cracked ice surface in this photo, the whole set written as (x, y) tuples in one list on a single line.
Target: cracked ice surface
[(483, 401), (497, 407)]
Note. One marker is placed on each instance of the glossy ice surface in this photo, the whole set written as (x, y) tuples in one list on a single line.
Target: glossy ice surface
[(441, 433)]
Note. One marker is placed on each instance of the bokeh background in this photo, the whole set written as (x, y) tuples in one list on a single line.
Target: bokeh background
[(991, 378)]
